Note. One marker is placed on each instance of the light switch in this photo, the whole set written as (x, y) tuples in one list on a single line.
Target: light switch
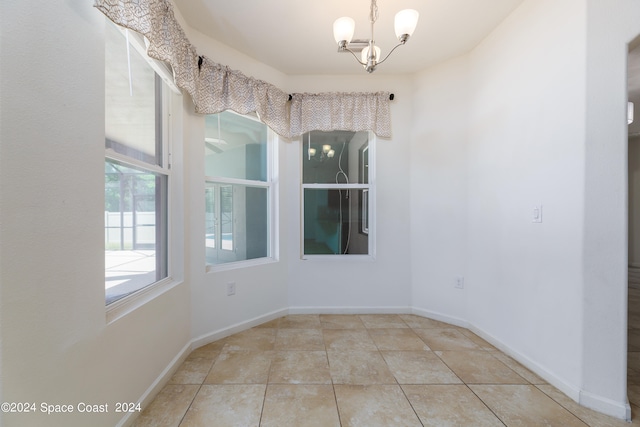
[(537, 214)]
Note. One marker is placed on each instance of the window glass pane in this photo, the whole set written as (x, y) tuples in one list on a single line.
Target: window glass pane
[(235, 147), (335, 157), (135, 229), (333, 221), (210, 218), (237, 226), (133, 123)]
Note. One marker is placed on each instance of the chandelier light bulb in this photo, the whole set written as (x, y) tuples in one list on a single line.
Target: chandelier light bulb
[(343, 29), (405, 24), (312, 152), (326, 148), (331, 153)]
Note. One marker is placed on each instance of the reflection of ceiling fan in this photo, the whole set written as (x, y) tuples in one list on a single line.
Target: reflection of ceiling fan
[(209, 143)]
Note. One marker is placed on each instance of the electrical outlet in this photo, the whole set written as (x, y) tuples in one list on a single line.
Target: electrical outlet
[(459, 282), (231, 288)]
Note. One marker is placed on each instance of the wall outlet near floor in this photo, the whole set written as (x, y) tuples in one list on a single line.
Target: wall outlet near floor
[(231, 288), (459, 282)]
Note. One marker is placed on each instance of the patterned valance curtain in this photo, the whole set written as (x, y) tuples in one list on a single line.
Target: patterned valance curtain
[(215, 88)]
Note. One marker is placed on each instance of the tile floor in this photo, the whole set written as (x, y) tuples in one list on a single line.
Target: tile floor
[(363, 370)]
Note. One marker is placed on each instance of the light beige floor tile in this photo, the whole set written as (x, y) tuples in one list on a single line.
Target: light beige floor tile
[(226, 406), (590, 417), (446, 339), (449, 406), (192, 371), (524, 406), (300, 321), (271, 324), (397, 339), (208, 351), (300, 367), (419, 367), (479, 367), (168, 407), (341, 321), (374, 406), (241, 367), (480, 342), (252, 339), (299, 339), (348, 339), (518, 368), (382, 321), (300, 406), (419, 322), (359, 367)]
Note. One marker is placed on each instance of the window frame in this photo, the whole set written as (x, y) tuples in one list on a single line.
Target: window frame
[(272, 187), (170, 102), (371, 211)]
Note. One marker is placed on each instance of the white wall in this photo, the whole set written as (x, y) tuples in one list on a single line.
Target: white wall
[(261, 291), (551, 294), (610, 27), (526, 148), (438, 179), (56, 344)]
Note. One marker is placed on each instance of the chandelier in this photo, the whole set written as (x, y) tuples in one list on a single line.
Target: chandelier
[(343, 29)]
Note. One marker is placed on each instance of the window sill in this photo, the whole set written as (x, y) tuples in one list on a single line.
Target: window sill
[(338, 258), (128, 304), (211, 268)]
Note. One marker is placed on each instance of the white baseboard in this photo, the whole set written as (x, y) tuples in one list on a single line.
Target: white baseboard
[(151, 392), (452, 320), (589, 400), (349, 310), (238, 327), (173, 366), (606, 406)]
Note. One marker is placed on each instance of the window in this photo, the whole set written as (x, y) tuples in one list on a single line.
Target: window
[(136, 169), (239, 189), (337, 193)]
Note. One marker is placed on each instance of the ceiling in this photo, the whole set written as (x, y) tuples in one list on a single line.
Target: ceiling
[(296, 36)]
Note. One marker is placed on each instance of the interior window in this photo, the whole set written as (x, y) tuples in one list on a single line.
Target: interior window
[(336, 193)]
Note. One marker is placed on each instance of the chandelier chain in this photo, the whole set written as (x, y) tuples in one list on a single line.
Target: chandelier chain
[(373, 15)]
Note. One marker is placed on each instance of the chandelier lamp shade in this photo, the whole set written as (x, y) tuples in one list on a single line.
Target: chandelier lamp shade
[(343, 29)]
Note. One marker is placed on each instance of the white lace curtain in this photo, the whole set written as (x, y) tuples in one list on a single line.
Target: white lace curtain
[(215, 88)]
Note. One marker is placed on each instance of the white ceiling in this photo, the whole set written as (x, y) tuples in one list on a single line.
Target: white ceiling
[(296, 36)]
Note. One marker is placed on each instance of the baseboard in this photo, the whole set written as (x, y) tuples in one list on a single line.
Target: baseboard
[(349, 310), (589, 400), (238, 327), (173, 366), (606, 406), (151, 392), (434, 315)]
